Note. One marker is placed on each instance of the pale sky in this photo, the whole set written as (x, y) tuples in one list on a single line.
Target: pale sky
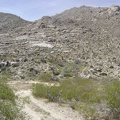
[(35, 9)]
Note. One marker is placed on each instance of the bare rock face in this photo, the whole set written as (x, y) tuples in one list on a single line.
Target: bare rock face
[(83, 41)]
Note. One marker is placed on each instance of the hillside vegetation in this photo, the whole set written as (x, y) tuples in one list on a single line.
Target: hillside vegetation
[(95, 100), (8, 107)]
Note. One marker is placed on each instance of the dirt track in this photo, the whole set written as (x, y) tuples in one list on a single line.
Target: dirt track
[(41, 109)]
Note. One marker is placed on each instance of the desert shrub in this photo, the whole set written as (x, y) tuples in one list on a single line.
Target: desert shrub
[(40, 90), (9, 111), (45, 77), (8, 108), (113, 97), (61, 64), (68, 74), (5, 75), (78, 89), (81, 94), (56, 72), (88, 110), (48, 92), (81, 90), (84, 95), (6, 93)]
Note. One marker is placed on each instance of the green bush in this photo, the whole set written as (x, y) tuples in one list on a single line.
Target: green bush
[(44, 77), (79, 89), (6, 93), (84, 94), (48, 92), (113, 97), (9, 111), (8, 108), (68, 74)]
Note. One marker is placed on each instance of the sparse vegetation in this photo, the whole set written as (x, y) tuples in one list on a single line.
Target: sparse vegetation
[(8, 109), (78, 89), (67, 74), (113, 98), (6, 93), (84, 95), (44, 77), (74, 92)]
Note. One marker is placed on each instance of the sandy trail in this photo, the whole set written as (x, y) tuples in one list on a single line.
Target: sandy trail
[(41, 109)]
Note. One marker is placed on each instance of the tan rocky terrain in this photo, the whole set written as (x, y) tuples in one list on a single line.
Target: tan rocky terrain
[(80, 42), (85, 37)]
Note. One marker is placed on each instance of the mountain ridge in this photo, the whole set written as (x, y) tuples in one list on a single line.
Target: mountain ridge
[(87, 36), (9, 22)]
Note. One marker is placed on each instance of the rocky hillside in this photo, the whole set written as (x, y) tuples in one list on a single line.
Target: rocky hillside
[(9, 22), (81, 41)]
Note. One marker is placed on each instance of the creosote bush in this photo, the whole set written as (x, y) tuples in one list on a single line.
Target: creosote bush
[(6, 93), (113, 97), (44, 77), (8, 108), (84, 95), (78, 89)]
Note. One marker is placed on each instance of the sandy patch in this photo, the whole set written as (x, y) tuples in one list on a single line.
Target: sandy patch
[(40, 44)]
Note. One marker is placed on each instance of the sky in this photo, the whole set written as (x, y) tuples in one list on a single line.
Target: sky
[(35, 9)]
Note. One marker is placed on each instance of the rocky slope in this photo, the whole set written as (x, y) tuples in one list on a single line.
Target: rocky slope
[(81, 41), (9, 22)]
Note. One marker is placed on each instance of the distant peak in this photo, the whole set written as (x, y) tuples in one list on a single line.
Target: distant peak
[(114, 8)]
